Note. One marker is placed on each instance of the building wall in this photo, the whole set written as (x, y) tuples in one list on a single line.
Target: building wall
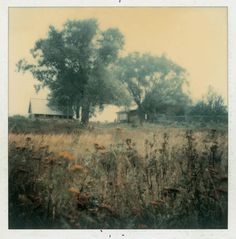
[(133, 118), (128, 117), (122, 117)]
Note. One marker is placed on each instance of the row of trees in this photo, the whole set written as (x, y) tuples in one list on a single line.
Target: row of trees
[(80, 65)]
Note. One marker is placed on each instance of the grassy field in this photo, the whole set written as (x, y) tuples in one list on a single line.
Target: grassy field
[(117, 176)]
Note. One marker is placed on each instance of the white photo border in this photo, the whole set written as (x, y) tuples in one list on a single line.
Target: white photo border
[(75, 234)]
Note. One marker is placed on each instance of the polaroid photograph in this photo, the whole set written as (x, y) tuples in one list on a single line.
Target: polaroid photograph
[(117, 119)]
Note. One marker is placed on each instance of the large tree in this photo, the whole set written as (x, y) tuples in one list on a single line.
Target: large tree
[(153, 82), (76, 63)]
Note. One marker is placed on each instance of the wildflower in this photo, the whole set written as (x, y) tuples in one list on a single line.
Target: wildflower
[(67, 155), (77, 167), (74, 190)]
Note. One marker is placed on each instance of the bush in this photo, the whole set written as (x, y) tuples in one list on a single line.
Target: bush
[(21, 124), (210, 108)]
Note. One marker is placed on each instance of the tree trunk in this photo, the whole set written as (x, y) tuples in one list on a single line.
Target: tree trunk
[(140, 114), (85, 114), (77, 112)]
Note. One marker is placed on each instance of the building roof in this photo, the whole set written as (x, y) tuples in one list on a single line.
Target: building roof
[(122, 112), (132, 108), (126, 112), (40, 106)]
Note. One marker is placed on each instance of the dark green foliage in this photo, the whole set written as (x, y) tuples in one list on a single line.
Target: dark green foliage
[(154, 83), (212, 106), (166, 97), (76, 65)]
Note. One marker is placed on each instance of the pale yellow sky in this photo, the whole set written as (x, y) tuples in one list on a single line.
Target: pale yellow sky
[(195, 38)]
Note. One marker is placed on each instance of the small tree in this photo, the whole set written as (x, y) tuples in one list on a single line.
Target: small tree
[(211, 106)]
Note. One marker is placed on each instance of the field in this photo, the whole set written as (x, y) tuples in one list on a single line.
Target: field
[(118, 176)]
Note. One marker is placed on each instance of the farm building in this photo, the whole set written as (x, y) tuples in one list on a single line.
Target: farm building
[(130, 116), (38, 108)]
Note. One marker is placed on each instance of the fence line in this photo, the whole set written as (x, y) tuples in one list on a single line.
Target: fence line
[(187, 118)]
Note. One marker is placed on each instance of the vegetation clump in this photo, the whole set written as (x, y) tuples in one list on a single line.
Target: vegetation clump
[(162, 184)]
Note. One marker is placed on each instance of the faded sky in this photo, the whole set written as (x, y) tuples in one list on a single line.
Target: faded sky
[(195, 38)]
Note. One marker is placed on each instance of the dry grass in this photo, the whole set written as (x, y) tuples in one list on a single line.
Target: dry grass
[(149, 177), (83, 141)]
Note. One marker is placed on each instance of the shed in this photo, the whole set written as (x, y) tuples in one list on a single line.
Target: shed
[(122, 116), (39, 108), (130, 116)]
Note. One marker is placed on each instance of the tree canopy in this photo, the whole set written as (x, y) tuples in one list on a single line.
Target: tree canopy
[(153, 82), (81, 66), (76, 63)]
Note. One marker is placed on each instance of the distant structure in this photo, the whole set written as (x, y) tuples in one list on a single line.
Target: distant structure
[(129, 116), (38, 108)]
